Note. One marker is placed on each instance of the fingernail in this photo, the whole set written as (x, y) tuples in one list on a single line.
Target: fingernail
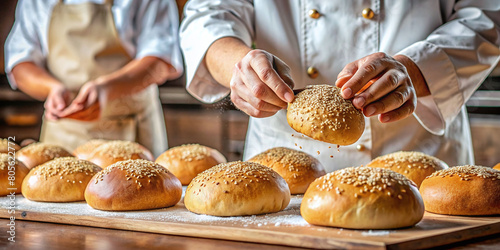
[(289, 97), (370, 110), (385, 118), (347, 92), (360, 101)]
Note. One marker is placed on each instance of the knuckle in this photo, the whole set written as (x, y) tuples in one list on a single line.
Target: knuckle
[(370, 67), (400, 97), (260, 105), (265, 74), (258, 91)]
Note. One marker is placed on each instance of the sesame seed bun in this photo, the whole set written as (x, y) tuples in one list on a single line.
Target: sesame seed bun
[(321, 113), (462, 190), (497, 167), (362, 198), (85, 150), (187, 161), (7, 146), (298, 169), (237, 188), (414, 165), (11, 168), (59, 180), (114, 151), (38, 153), (133, 185)]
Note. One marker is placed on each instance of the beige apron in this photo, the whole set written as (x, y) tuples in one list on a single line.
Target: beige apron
[(83, 45)]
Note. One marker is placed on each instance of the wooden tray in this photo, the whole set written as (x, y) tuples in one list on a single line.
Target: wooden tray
[(283, 228)]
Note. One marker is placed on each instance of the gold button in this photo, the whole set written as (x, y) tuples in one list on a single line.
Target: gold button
[(312, 72), (368, 13), (360, 147), (314, 14)]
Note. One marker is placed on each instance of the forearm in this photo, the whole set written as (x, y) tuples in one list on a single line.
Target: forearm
[(221, 57), (136, 76), (34, 80), (415, 74)]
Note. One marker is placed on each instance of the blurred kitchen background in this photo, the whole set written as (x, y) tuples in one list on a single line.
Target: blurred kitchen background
[(220, 125)]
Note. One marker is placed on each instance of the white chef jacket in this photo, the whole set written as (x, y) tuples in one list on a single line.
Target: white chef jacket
[(145, 28), (455, 45)]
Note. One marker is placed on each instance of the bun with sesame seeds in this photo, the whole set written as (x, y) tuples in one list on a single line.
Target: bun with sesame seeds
[(11, 168), (414, 165), (114, 151), (7, 146), (187, 161), (321, 113), (133, 185), (60, 180), (84, 151), (298, 169), (362, 198), (38, 153), (236, 189), (462, 190)]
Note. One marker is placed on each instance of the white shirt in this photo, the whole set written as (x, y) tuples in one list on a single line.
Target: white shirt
[(455, 45), (146, 28)]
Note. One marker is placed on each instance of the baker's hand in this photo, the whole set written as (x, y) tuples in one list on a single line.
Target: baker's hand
[(86, 105), (58, 99), (261, 84), (379, 85)]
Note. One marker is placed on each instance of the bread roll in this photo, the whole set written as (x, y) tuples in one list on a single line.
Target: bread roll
[(237, 188), (187, 161), (7, 146), (115, 151), (38, 153), (133, 185), (12, 173), (85, 150), (59, 180), (321, 113), (463, 190), (497, 167), (414, 165), (298, 169), (362, 198)]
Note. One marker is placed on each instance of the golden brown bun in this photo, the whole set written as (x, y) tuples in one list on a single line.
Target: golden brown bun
[(463, 190), (187, 161), (7, 146), (12, 173), (38, 153), (85, 150), (414, 165), (133, 185), (237, 188), (321, 113), (497, 167), (298, 169), (114, 151), (363, 198), (60, 180)]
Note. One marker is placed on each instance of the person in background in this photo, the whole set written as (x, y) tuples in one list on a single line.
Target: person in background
[(97, 64), (420, 61)]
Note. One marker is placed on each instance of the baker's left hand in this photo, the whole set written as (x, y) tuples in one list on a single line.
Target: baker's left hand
[(379, 85), (86, 105)]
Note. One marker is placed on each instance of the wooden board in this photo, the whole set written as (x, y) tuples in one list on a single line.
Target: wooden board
[(283, 228)]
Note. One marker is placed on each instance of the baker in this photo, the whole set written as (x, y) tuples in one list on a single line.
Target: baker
[(413, 73), (96, 64)]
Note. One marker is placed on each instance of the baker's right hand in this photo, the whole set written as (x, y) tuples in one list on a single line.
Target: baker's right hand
[(261, 84), (59, 98)]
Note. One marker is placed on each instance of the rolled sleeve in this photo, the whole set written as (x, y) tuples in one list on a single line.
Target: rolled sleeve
[(454, 60), (157, 24), (204, 23)]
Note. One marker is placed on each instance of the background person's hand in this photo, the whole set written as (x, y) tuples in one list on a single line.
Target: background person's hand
[(86, 105), (379, 85), (261, 84), (58, 98)]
